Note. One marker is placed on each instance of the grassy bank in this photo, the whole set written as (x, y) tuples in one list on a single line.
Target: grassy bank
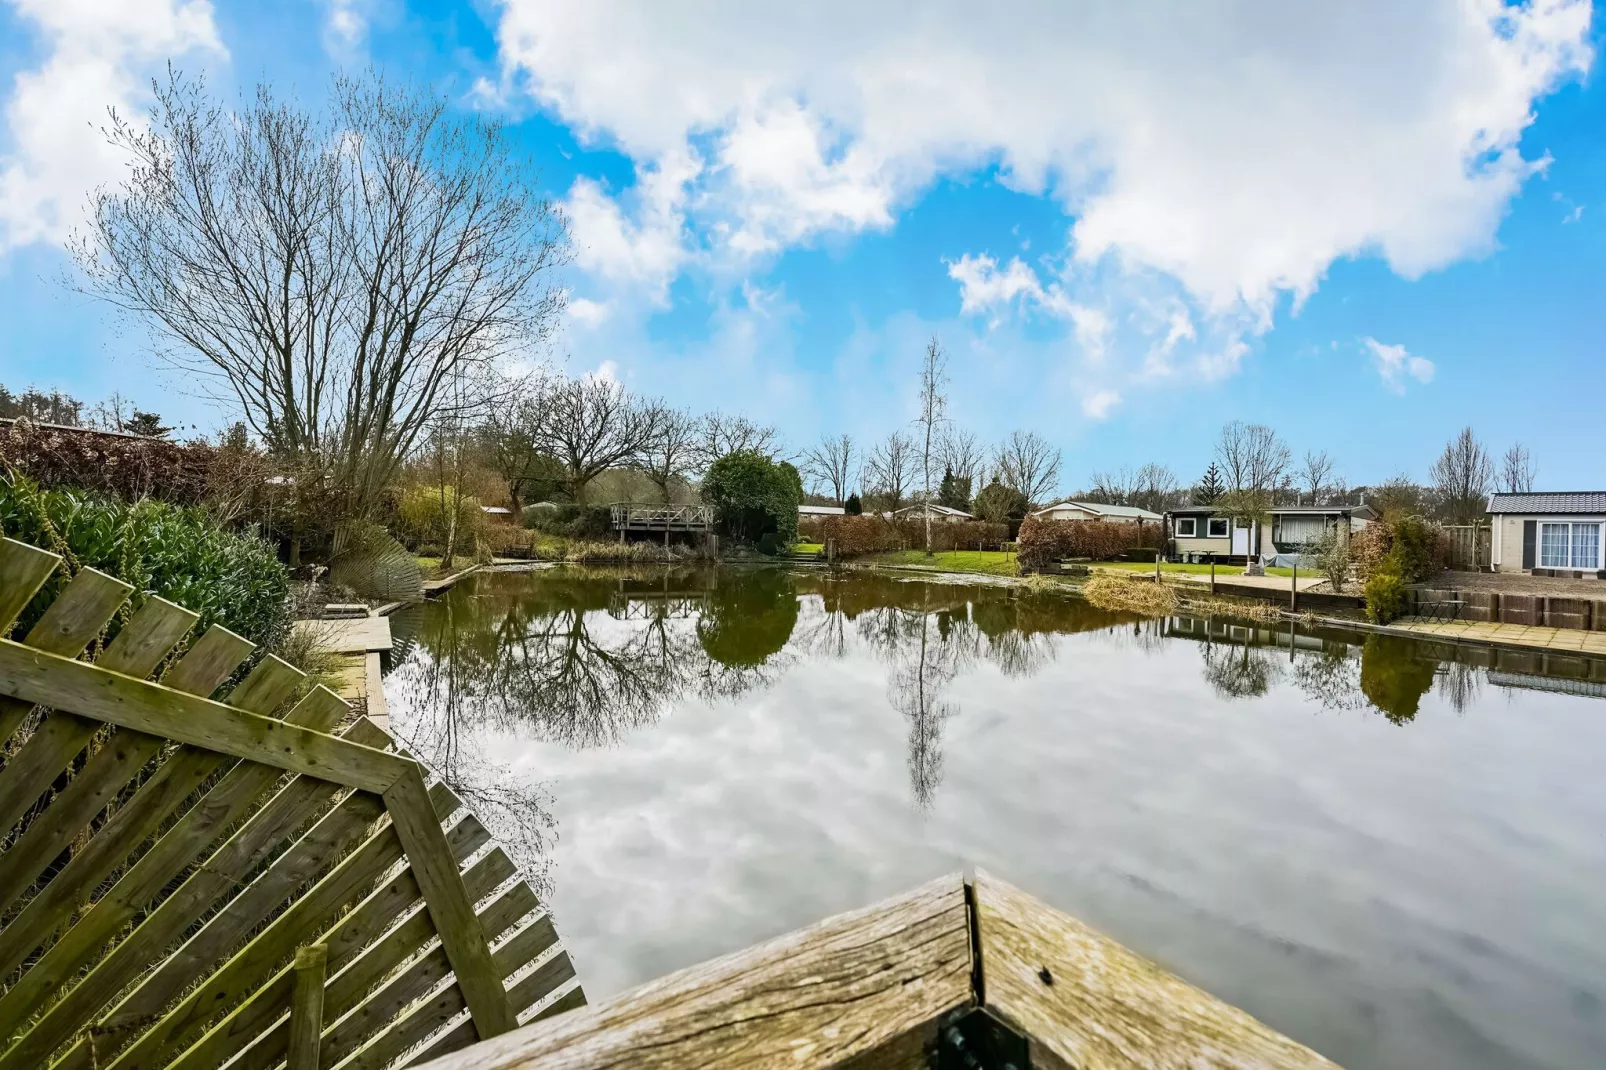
[(1111, 590), (982, 562), (1195, 570)]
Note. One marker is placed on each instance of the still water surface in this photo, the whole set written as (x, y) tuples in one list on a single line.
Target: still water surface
[(1394, 856)]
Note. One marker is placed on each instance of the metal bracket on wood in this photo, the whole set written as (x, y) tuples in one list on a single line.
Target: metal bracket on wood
[(975, 1040)]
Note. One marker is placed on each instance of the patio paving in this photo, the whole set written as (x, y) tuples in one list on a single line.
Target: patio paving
[(1520, 635)]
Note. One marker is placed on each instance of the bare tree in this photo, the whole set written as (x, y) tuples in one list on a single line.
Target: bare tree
[(1153, 487), (1027, 463), (672, 449), (933, 414), (1252, 457), (509, 443), (1517, 472), (1462, 476), (964, 456), (1316, 474), (331, 272), (890, 468), (1112, 487), (591, 425), (719, 434), (831, 463)]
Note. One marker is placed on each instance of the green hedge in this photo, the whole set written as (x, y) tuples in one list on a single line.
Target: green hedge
[(179, 553)]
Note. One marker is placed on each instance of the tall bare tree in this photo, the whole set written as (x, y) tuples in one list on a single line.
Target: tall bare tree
[(1316, 474), (1027, 463), (1153, 488), (1462, 477), (591, 425), (509, 444), (328, 272), (1112, 487), (1252, 457), (831, 463), (891, 467), (933, 415), (1517, 472), (672, 451)]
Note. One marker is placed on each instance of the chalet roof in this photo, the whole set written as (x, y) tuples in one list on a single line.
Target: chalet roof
[(1557, 501), (1100, 509)]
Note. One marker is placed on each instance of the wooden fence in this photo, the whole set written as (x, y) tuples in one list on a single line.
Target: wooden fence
[(1470, 547), (177, 871)]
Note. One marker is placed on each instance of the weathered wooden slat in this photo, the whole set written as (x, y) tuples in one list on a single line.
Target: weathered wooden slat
[(178, 847), (449, 906), (848, 987), (227, 869), (461, 1035), (385, 1049), (254, 1035), (157, 798), (70, 623), (306, 1007), (525, 947), (137, 651), (90, 691), (1086, 1001), (23, 570), (314, 911), (542, 981), (210, 661)]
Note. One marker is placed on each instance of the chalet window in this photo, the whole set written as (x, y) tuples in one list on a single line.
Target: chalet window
[(1186, 527), (1217, 527), (1569, 546)]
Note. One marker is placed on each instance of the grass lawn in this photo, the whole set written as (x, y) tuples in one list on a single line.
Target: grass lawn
[(809, 547), (1199, 570), (987, 562)]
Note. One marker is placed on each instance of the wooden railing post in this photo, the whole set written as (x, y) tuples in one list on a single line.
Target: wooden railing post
[(407, 801), (306, 1007)]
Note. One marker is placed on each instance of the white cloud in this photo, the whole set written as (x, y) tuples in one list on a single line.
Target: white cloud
[(646, 252), (983, 288), (1098, 405), (345, 27), (96, 56), (1394, 364), (1239, 151), (588, 312)]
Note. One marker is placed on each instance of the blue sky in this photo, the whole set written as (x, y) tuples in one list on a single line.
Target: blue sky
[(1365, 226)]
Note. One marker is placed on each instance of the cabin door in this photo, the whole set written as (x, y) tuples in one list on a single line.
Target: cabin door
[(1240, 537)]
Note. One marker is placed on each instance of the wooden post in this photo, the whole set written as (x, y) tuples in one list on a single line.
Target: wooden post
[(1157, 568), (1293, 588), (306, 1007), (1212, 573)]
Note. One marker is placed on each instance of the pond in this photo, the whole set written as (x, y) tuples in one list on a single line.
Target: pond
[(1394, 852)]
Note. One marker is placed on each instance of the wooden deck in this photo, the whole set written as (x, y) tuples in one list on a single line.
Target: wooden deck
[(956, 973), (630, 516)]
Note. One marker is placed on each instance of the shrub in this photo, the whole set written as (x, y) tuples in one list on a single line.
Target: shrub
[(1332, 554), (999, 504), (1045, 541), (181, 554), (753, 495), (106, 463), (570, 521), (1385, 594), (1418, 548), (421, 516), (853, 506)]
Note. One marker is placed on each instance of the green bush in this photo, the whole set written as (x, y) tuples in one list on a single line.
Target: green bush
[(179, 553), (570, 521), (753, 496), (999, 504), (1420, 548), (423, 511), (1385, 594)]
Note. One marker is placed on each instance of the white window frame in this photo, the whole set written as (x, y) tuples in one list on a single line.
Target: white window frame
[(1210, 528), (1569, 523), (1193, 527)]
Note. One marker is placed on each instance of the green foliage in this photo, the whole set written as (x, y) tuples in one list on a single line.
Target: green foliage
[(749, 622), (1385, 594), (752, 495), (1419, 548), (423, 512), (1393, 677), (179, 553), (998, 504), (570, 521), (954, 492), (1210, 488), (1332, 557), (853, 506)]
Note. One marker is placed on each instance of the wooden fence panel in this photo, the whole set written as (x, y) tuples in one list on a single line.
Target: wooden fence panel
[(166, 869)]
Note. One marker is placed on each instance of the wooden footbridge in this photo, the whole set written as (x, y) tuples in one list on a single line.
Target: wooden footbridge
[(661, 519), (254, 882)]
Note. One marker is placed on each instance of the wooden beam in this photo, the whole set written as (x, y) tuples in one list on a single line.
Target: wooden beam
[(1083, 1000), (466, 945), (90, 691), (869, 986), (306, 1007), (23, 570)]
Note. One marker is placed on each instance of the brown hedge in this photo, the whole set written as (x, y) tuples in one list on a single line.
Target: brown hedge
[(855, 536), (1046, 541), (121, 465)]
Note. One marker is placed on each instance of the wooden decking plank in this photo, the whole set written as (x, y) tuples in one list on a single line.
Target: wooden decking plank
[(449, 906), (90, 691), (845, 988), (1083, 1000)]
